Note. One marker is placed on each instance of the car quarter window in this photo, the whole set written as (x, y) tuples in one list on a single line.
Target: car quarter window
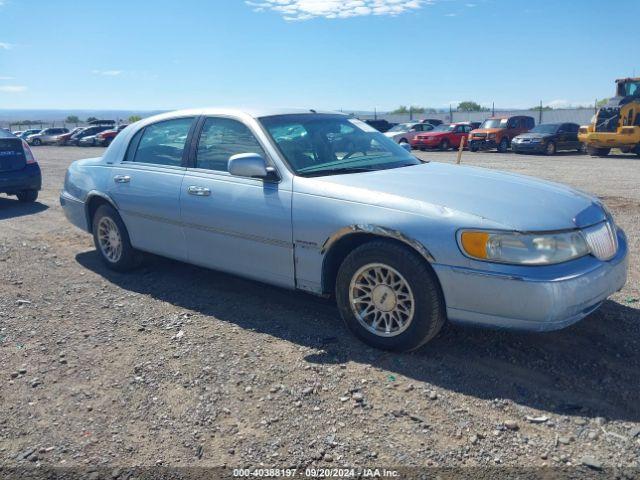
[(222, 138), (160, 143)]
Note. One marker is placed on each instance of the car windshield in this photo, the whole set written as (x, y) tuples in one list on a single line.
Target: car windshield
[(547, 128), (494, 123), (443, 128), (316, 144), (402, 127)]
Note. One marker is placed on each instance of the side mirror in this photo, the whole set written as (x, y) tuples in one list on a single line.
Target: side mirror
[(406, 146), (249, 165)]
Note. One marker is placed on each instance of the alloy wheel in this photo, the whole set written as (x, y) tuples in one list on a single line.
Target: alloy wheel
[(381, 300), (109, 239)]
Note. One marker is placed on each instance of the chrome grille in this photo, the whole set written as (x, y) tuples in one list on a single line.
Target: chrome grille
[(602, 240)]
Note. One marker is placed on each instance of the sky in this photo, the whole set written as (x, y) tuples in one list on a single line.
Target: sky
[(323, 54)]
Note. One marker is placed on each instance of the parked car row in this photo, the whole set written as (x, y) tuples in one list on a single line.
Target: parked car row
[(518, 133), (99, 133)]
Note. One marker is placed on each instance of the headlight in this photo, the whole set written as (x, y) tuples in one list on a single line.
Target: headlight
[(523, 248)]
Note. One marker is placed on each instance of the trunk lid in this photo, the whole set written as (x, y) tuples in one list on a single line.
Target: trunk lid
[(12, 155)]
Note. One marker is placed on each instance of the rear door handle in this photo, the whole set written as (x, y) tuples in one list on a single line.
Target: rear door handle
[(122, 179), (198, 191)]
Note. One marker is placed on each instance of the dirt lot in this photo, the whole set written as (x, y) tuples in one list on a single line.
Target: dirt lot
[(96, 371)]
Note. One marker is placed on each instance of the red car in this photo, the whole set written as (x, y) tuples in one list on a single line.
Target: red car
[(443, 137), (105, 138)]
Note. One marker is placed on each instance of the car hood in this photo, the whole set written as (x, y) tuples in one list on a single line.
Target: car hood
[(393, 134), (510, 200), (487, 130), (536, 135), (432, 134)]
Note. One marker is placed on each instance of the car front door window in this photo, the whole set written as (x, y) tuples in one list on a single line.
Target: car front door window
[(220, 139)]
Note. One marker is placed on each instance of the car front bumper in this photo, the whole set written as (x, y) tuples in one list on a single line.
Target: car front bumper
[(29, 178), (528, 147), (425, 143), (532, 298), (483, 144)]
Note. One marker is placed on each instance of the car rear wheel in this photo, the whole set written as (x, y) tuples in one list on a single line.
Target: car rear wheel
[(598, 152), (444, 145), (582, 148), (111, 239), (389, 297), (550, 149), (403, 140), (36, 142), (27, 196), (503, 146), (473, 149)]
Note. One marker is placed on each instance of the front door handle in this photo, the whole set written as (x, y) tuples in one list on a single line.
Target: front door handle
[(122, 179), (198, 191)]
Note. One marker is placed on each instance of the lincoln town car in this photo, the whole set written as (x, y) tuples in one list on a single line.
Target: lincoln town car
[(323, 203)]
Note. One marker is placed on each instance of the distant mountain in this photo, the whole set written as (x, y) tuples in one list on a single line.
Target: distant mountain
[(11, 115)]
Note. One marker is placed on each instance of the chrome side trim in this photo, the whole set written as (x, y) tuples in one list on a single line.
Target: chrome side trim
[(71, 198), (244, 236), (380, 232)]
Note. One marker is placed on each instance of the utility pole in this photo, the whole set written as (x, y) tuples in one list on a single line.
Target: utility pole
[(595, 106), (450, 114), (375, 113), (540, 114), (410, 113)]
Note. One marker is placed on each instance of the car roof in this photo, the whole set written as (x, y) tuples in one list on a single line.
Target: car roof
[(251, 112)]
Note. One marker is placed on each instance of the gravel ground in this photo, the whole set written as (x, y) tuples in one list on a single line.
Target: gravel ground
[(176, 365)]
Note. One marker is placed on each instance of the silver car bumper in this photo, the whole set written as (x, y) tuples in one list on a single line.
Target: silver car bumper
[(75, 211), (533, 298)]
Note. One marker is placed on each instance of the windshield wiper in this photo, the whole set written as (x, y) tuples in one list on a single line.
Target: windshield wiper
[(336, 171)]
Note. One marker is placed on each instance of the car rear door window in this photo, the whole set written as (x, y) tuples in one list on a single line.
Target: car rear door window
[(222, 138), (162, 143)]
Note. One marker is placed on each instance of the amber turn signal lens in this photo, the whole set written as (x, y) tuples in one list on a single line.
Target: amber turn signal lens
[(475, 243)]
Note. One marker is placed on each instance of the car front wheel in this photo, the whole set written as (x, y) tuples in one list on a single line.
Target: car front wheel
[(389, 297), (503, 146), (111, 239), (550, 148)]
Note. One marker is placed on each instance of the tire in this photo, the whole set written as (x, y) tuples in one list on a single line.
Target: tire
[(503, 146), (550, 149), (473, 149), (403, 140), (444, 145), (27, 196), (423, 311), (582, 149), (121, 257), (36, 142), (598, 152)]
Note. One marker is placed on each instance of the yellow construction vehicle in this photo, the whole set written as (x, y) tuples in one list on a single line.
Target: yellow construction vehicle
[(617, 124)]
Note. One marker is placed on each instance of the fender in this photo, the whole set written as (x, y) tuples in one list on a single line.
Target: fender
[(90, 196), (380, 232)]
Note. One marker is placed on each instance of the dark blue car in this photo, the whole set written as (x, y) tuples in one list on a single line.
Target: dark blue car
[(19, 172)]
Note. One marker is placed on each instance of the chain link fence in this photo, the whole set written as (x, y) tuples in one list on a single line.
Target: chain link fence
[(581, 116)]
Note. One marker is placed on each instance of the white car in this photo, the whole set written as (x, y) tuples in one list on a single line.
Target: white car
[(406, 132)]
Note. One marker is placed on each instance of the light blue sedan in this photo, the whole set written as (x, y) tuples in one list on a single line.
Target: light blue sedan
[(323, 203)]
